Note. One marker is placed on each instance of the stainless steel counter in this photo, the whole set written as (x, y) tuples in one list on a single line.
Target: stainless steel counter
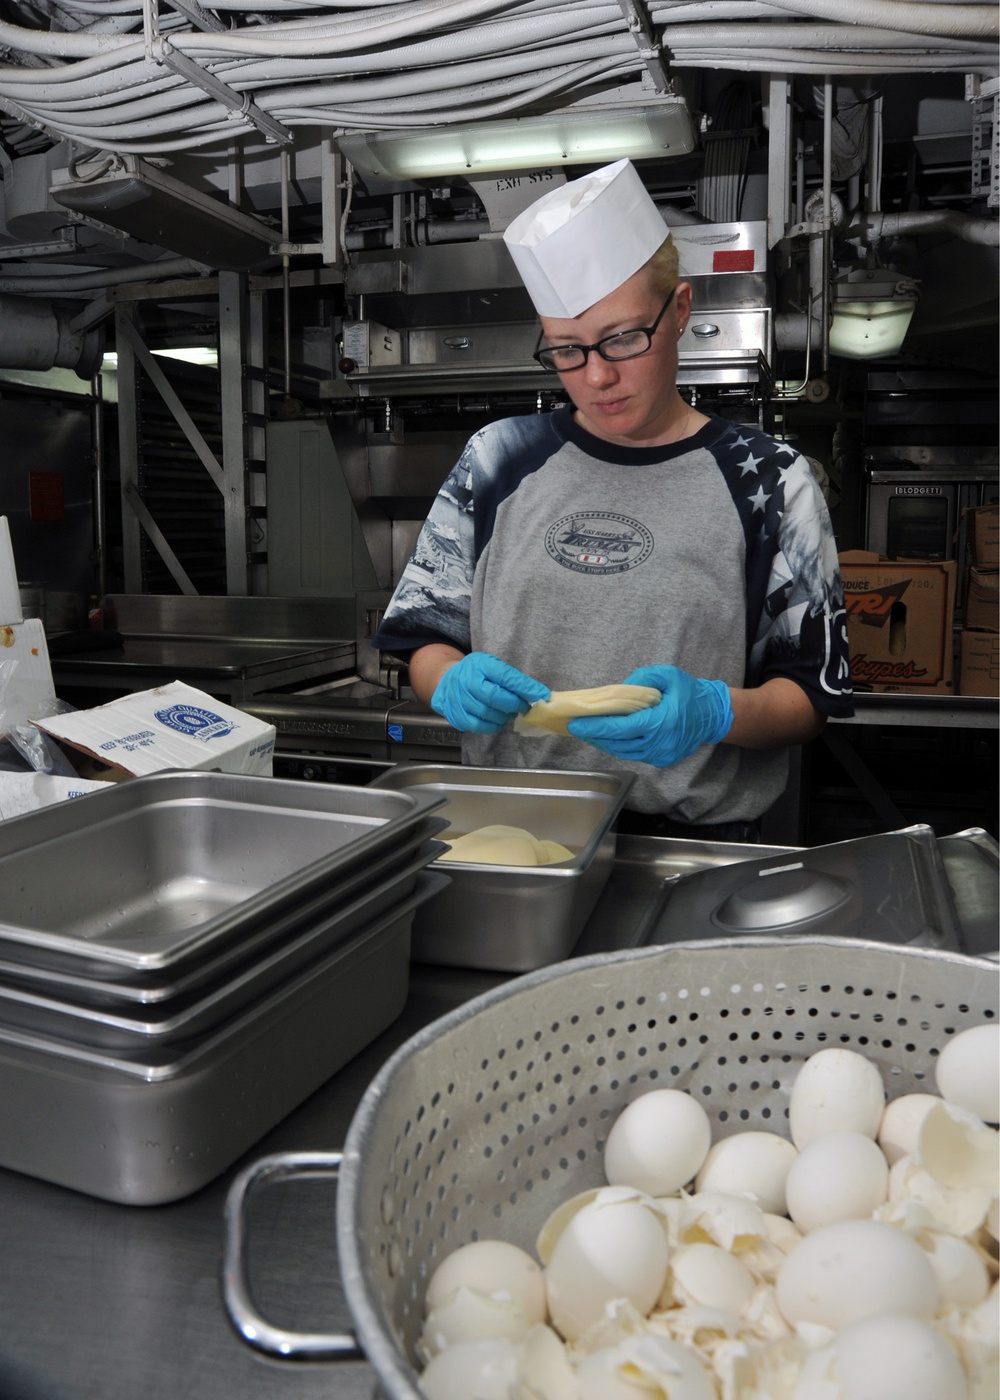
[(108, 1302)]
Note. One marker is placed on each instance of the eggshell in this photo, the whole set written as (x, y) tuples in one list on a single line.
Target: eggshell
[(920, 1200), (644, 1368), (885, 1358), (500, 1270), (719, 1217), (836, 1090), (897, 1132), (968, 1071), (855, 1269), (704, 1273), (841, 1176), (484, 1369), (962, 1277), (753, 1163), (544, 1369), (608, 1250), (958, 1149), (658, 1142)]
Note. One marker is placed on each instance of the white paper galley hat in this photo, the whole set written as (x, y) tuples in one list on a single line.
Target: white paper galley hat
[(583, 239)]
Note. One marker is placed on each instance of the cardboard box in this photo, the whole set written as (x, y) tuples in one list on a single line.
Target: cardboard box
[(26, 688), (983, 534), (982, 600), (26, 792), (900, 623), (173, 726), (979, 663)]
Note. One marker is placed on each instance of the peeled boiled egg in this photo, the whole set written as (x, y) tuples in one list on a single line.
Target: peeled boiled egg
[(855, 1269), (752, 1163), (836, 1090), (968, 1071), (473, 1370), (658, 1142), (884, 1358), (496, 1268), (610, 1249), (840, 1176), (897, 1132)]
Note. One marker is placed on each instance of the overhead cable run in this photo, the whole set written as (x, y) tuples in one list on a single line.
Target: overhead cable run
[(239, 67)]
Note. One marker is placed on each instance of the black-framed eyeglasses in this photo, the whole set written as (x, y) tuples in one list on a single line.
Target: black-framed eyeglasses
[(623, 346)]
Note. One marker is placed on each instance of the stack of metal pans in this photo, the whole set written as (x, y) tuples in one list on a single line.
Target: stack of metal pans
[(184, 958)]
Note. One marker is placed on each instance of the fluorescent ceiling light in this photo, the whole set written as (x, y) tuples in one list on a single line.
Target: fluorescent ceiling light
[(192, 354), (595, 137)]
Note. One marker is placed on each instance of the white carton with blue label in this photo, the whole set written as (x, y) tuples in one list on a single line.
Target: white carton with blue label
[(173, 726)]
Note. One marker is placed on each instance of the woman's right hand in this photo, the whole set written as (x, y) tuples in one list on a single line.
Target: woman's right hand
[(480, 694)]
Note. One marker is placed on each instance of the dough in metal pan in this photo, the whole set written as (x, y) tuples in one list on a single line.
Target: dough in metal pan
[(563, 705), (503, 845)]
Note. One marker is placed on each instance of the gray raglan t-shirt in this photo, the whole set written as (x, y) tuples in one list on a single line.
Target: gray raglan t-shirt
[(577, 560)]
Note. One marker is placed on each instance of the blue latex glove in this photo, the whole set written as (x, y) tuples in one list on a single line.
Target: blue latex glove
[(691, 713), (481, 694)]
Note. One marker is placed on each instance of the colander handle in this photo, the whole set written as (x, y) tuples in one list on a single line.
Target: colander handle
[(276, 1341)]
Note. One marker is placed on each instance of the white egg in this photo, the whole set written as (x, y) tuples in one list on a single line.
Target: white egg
[(479, 1370), (992, 1222), (610, 1249), (884, 1358), (644, 1368), (753, 1163), (841, 1176), (855, 1269), (897, 1132), (836, 1090), (704, 1273), (962, 1277), (500, 1270), (968, 1071), (658, 1142)]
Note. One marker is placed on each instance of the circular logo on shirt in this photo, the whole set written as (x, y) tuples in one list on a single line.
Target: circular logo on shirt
[(598, 542)]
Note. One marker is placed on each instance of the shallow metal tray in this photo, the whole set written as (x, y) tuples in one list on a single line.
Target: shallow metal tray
[(160, 869), (200, 975), (201, 1010), (515, 918), (144, 1132), (890, 887), (972, 865)]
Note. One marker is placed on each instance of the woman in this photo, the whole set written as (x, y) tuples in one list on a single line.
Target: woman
[(627, 538)]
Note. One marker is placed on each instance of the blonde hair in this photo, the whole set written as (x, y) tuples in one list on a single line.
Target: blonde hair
[(664, 265)]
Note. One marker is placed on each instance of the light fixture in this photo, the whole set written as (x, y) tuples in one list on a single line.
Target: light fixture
[(191, 354), (593, 137), (872, 311)]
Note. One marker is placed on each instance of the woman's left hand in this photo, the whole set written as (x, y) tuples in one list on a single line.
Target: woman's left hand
[(692, 712)]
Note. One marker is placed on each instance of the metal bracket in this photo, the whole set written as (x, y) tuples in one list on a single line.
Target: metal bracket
[(200, 18), (162, 51), (641, 28)]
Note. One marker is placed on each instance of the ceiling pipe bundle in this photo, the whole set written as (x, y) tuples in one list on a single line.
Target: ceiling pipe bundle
[(393, 64)]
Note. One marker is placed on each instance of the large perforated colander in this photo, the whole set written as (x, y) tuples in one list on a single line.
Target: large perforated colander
[(488, 1118)]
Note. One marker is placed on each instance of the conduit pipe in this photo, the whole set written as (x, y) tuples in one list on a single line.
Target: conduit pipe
[(875, 226), (959, 21), (54, 284), (34, 336)]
